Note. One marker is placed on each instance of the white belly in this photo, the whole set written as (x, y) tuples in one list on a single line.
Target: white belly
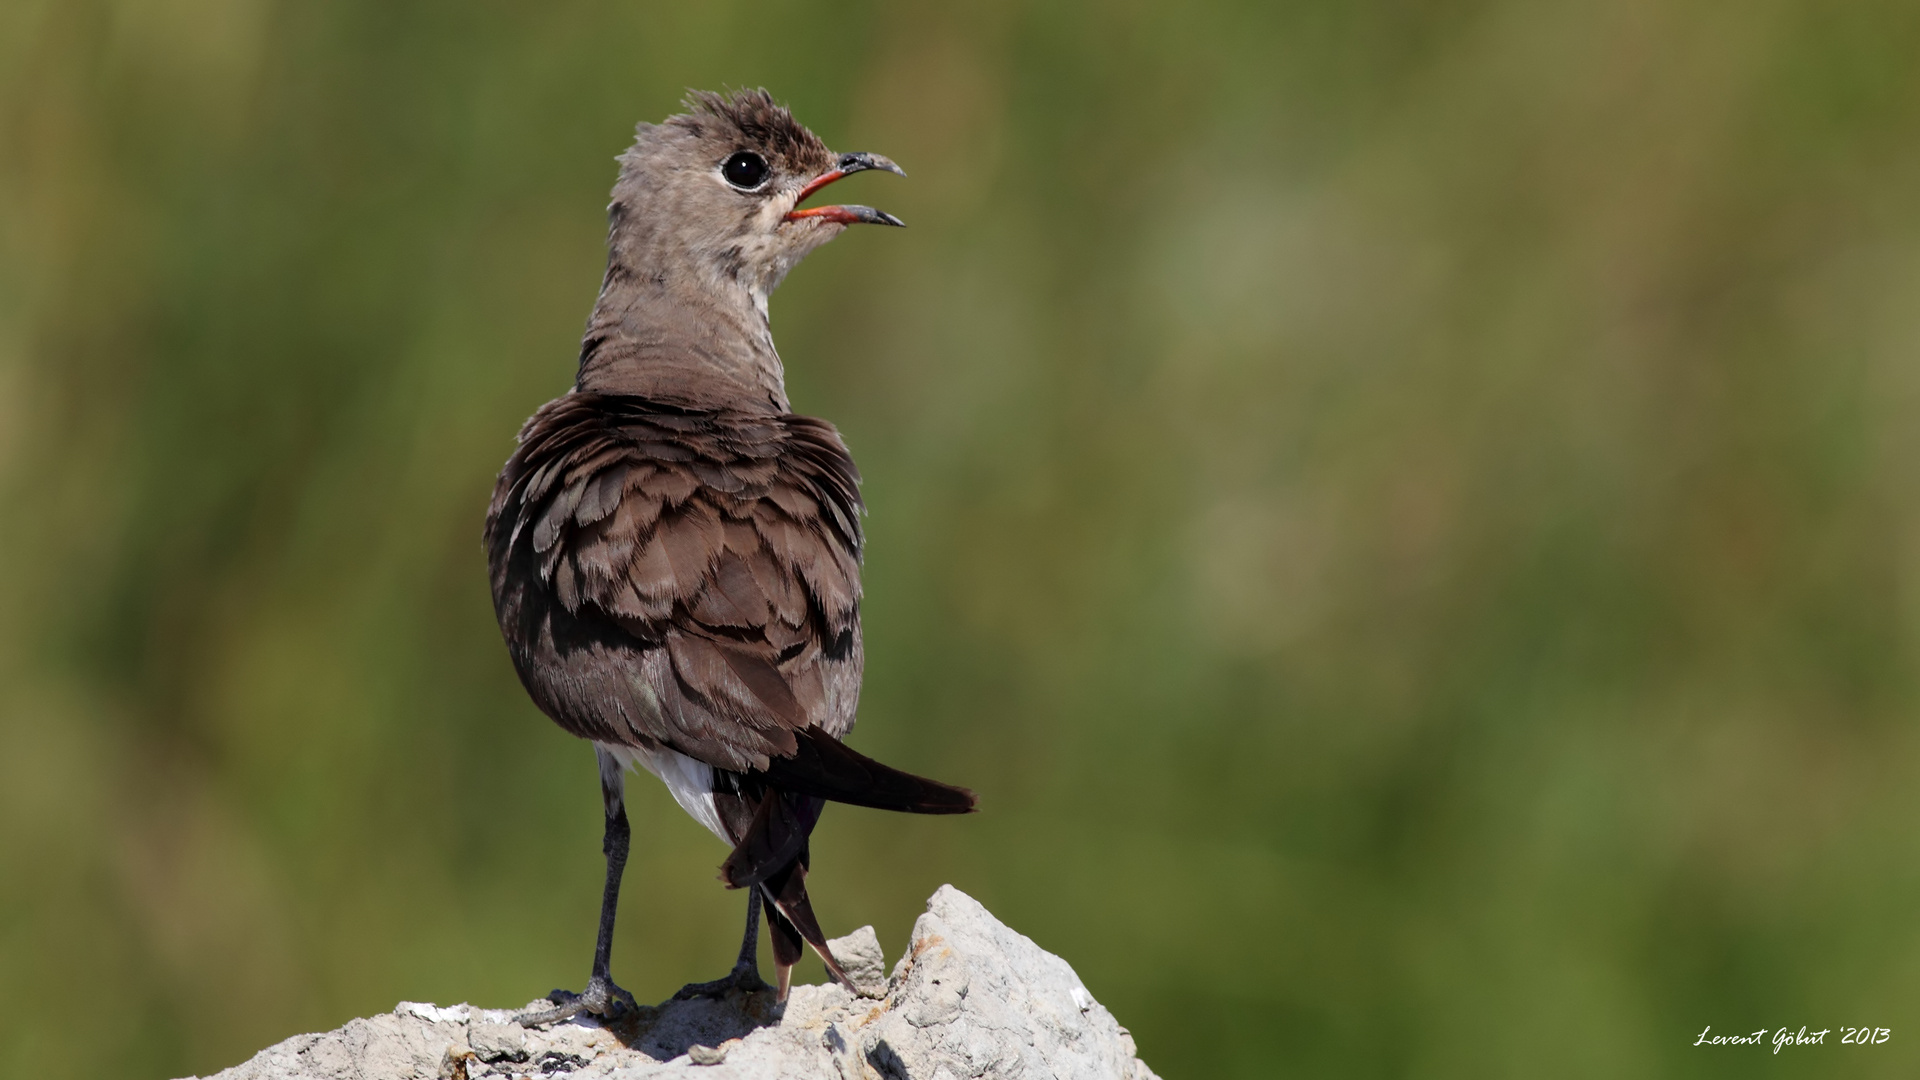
[(690, 781)]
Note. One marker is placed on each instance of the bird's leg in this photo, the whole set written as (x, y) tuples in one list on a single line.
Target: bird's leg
[(750, 944), (601, 997), (746, 972)]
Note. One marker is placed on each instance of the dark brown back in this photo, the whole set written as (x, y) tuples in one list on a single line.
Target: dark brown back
[(681, 578)]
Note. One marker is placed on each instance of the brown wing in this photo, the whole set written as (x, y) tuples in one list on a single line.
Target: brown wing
[(686, 579)]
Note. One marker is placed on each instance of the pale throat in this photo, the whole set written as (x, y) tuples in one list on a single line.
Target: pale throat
[(769, 252)]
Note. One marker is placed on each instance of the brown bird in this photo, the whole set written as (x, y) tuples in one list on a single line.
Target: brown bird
[(675, 556)]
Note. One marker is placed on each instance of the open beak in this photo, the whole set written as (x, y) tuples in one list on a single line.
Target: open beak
[(847, 215)]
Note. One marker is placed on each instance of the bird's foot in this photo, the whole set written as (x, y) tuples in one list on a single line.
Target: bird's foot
[(744, 978), (601, 998)]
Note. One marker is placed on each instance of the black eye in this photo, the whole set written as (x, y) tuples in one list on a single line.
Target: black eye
[(745, 170)]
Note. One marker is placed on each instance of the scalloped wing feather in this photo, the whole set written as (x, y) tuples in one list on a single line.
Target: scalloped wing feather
[(681, 579)]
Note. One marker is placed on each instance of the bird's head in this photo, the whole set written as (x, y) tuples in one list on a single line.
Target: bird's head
[(715, 194)]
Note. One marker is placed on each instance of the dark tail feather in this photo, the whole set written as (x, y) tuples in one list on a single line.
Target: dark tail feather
[(825, 768), (777, 834), (787, 890), (787, 943)]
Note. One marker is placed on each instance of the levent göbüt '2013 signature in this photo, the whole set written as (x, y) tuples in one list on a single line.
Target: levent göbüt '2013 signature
[(1854, 1036)]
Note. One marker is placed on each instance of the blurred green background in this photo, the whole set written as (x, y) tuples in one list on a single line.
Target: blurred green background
[(1407, 513)]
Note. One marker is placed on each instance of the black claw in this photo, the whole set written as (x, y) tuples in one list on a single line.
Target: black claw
[(602, 998), (744, 979)]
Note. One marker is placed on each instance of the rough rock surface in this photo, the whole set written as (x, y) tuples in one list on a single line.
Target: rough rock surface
[(971, 1000)]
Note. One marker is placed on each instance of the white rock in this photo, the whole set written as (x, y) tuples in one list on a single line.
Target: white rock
[(971, 998), (860, 957)]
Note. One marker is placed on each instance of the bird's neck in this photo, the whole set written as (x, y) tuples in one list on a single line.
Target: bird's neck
[(683, 335)]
